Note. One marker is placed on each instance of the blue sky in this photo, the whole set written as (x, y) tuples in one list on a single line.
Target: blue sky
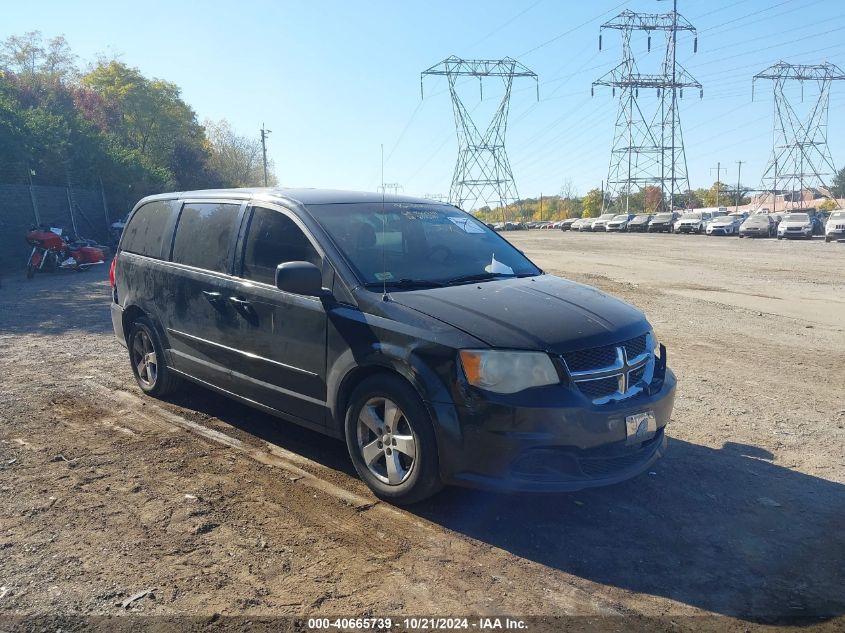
[(336, 79)]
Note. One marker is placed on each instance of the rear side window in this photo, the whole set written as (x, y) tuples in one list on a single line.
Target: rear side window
[(273, 239), (203, 235), (145, 233)]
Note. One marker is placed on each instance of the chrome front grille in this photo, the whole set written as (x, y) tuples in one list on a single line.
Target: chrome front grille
[(612, 372)]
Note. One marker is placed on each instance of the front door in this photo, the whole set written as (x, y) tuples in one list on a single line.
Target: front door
[(281, 337)]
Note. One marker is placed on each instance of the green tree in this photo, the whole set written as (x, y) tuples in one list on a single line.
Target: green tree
[(838, 185), (29, 56), (591, 204)]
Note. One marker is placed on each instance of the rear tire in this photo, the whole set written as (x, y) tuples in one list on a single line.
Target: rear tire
[(391, 440), (146, 357)]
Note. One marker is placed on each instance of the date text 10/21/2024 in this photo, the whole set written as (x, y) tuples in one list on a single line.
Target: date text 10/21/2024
[(421, 623)]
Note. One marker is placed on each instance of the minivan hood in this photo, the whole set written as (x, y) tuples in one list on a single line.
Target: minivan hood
[(538, 313)]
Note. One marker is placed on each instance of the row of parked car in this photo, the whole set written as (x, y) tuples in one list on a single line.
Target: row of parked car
[(804, 223)]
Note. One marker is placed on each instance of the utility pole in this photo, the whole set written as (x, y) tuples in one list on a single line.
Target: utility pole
[(738, 174), (718, 169), (264, 134)]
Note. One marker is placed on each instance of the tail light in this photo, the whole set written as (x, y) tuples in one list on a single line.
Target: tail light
[(111, 271)]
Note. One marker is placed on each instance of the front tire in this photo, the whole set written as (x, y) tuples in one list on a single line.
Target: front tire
[(391, 440), (146, 356)]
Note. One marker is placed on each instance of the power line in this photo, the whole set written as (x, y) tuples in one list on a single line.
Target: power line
[(573, 29)]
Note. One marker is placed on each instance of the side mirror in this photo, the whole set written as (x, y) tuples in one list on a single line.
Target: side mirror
[(301, 278)]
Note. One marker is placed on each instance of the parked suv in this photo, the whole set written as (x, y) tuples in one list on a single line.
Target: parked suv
[(619, 222), (600, 223), (640, 223), (426, 341), (693, 222), (663, 222), (835, 227), (796, 225)]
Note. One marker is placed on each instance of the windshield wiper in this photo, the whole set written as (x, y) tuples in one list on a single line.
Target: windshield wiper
[(485, 276), (476, 277), (404, 283)]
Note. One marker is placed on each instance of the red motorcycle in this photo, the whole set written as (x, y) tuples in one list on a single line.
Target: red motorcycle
[(52, 252)]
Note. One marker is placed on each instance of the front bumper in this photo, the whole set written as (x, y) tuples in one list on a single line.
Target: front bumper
[(553, 441), (721, 230), (688, 228), (796, 234), (754, 232), (835, 234)]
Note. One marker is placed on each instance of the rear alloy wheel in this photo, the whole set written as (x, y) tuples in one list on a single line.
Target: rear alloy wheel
[(391, 441), (146, 356)]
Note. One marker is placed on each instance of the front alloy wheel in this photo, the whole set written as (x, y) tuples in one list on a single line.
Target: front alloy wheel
[(391, 440), (386, 441)]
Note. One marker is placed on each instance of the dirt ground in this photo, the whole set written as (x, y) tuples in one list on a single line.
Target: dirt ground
[(218, 509)]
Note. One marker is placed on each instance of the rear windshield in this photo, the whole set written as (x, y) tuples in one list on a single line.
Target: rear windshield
[(418, 243)]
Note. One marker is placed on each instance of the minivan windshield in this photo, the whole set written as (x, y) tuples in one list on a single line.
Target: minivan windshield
[(412, 245)]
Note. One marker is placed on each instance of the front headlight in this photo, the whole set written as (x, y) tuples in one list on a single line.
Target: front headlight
[(507, 372), (655, 345)]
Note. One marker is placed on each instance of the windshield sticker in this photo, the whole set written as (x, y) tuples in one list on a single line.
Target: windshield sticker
[(467, 225), (386, 276)]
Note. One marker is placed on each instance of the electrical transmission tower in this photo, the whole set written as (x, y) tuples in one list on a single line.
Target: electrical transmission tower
[(391, 188), (482, 172), (800, 155), (648, 147)]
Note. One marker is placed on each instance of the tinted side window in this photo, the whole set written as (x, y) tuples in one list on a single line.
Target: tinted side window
[(272, 239), (203, 235), (145, 233)]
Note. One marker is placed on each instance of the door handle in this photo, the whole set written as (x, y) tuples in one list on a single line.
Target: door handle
[(244, 308), (240, 303), (213, 298)]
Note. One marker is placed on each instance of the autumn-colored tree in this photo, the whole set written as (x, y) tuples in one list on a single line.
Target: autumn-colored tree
[(652, 198)]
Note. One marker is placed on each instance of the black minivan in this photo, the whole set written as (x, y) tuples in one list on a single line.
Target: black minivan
[(406, 327)]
